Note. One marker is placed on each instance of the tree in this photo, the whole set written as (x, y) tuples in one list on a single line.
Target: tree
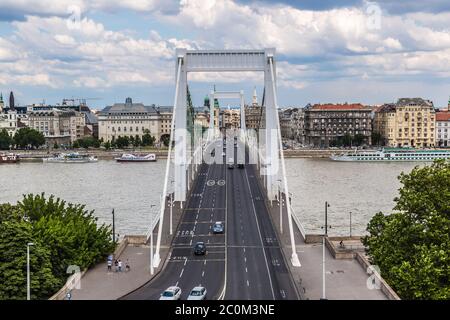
[(347, 140), (147, 139), (137, 141), (165, 140), (55, 146), (26, 137), (358, 139), (122, 142), (63, 234), (107, 145), (412, 245), (5, 140), (377, 138), (76, 144)]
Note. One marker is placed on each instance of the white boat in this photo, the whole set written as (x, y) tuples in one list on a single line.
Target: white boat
[(392, 154), (128, 157), (71, 158)]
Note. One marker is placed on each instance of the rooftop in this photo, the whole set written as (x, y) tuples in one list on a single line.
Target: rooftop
[(345, 106), (443, 116)]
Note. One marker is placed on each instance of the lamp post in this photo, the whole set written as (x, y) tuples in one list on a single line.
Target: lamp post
[(114, 228), (171, 209), (152, 271), (350, 224), (28, 269), (280, 200), (327, 205)]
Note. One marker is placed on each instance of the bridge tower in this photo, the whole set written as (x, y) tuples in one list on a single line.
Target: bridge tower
[(269, 144)]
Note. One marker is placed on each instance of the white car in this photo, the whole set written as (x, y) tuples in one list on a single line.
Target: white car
[(171, 293), (197, 293)]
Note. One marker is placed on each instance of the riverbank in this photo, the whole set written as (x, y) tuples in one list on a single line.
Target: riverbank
[(37, 155)]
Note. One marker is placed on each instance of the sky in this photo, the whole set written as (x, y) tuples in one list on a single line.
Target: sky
[(326, 51)]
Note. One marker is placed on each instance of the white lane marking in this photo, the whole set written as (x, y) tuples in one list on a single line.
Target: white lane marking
[(244, 250), (259, 232), (190, 242), (176, 284), (204, 263), (245, 259), (185, 261), (203, 274), (182, 270), (248, 284), (246, 269)]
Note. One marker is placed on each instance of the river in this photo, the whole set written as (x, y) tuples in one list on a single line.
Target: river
[(130, 188)]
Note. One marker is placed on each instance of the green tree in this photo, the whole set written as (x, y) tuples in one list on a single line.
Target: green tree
[(5, 140), (377, 138), (76, 144), (137, 141), (358, 139), (347, 140), (122, 142), (107, 145), (412, 245), (148, 139), (63, 234), (55, 146), (165, 140), (26, 137)]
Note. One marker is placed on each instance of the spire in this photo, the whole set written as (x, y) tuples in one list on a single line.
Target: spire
[(11, 101), (255, 98), (1, 98)]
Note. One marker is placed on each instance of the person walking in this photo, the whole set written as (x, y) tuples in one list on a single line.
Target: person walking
[(127, 266), (116, 265), (109, 265), (120, 265)]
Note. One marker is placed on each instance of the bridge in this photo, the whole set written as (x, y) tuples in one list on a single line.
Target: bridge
[(247, 260)]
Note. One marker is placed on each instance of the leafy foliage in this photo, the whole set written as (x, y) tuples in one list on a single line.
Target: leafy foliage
[(26, 137), (63, 234), (147, 139), (412, 245), (5, 140)]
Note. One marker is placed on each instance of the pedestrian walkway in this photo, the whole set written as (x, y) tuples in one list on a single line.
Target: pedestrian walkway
[(345, 279), (99, 284)]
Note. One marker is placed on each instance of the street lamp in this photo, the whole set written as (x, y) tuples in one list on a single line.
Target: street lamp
[(152, 271), (280, 201), (171, 208), (327, 205), (114, 228), (350, 224), (28, 269)]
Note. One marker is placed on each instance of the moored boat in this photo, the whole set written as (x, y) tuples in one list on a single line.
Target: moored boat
[(128, 157), (9, 158), (70, 158), (392, 154)]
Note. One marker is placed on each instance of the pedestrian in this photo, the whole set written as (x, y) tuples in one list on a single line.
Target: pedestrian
[(127, 266), (116, 265), (120, 265), (109, 265)]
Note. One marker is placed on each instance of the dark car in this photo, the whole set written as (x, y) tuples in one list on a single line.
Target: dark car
[(231, 166), (241, 166), (218, 227), (200, 248)]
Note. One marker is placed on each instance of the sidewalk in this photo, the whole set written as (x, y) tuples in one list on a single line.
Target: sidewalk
[(345, 279), (99, 284)]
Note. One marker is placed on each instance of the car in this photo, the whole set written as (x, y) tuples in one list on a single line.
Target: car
[(223, 154), (199, 248), (231, 166), (171, 293), (240, 165), (218, 227), (197, 293)]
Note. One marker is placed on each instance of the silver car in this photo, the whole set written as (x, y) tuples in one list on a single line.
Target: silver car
[(197, 293), (171, 293)]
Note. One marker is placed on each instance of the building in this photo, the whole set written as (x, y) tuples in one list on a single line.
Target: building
[(328, 125), (230, 118), (254, 114), (292, 124), (443, 127), (9, 120), (216, 116), (408, 123), (134, 119), (11, 101), (58, 126)]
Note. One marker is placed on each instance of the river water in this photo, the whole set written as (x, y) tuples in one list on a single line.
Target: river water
[(130, 188)]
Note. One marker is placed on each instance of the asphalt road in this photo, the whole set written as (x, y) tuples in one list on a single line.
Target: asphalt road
[(245, 263)]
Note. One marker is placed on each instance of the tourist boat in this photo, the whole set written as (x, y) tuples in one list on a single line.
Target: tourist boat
[(9, 158), (128, 157), (393, 154), (71, 158)]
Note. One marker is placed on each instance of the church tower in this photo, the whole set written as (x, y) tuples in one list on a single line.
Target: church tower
[(11, 101), (2, 105), (254, 98)]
